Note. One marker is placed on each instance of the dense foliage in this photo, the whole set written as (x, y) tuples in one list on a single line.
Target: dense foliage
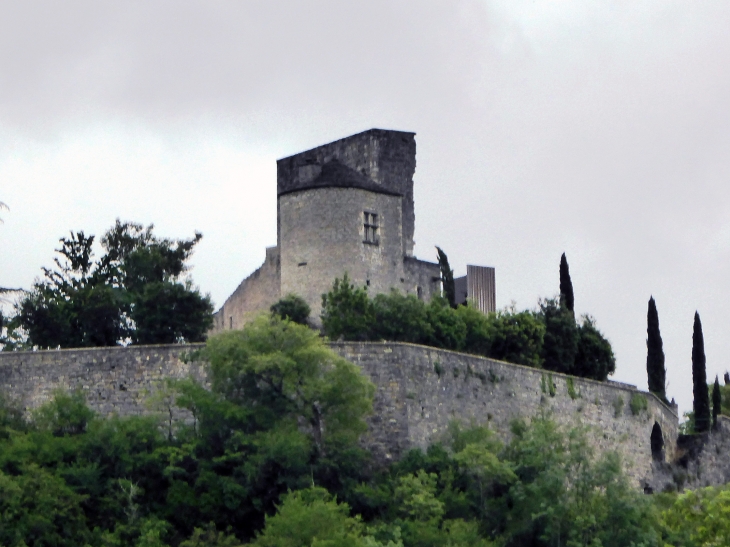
[(655, 370), (134, 293), (292, 307), (270, 457), (549, 338)]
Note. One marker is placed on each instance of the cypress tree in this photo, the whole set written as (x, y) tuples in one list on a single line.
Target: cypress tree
[(566, 285), (447, 278), (657, 374), (699, 379), (716, 402)]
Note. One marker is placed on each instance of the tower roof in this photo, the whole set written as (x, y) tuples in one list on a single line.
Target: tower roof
[(335, 174)]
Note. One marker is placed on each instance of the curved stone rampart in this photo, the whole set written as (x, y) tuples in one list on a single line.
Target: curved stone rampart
[(420, 390)]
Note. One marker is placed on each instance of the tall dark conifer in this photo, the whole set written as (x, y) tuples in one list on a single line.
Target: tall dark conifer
[(699, 379), (655, 370), (716, 402), (566, 285), (447, 277)]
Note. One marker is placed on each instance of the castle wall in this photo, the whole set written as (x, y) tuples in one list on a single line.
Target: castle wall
[(422, 278), (419, 391), (387, 157), (322, 236), (255, 294), (114, 380), (700, 460)]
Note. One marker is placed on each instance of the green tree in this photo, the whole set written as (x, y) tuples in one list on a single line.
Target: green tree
[(210, 537), (134, 291), (655, 353), (566, 286), (701, 406), (281, 372), (594, 358), (447, 278), (165, 312), (347, 312), (284, 411), (292, 307), (65, 414), (516, 337), (312, 518), (448, 328), (560, 343), (38, 508), (698, 518), (400, 318), (716, 402), (564, 495), (725, 399)]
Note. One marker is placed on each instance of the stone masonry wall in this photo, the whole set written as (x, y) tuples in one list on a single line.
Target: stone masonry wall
[(700, 460), (423, 275), (322, 237), (114, 380), (256, 293), (420, 390), (387, 157)]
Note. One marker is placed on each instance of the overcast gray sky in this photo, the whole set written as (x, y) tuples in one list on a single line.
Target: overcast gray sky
[(599, 129)]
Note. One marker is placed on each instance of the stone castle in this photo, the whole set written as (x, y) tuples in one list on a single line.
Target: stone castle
[(347, 206)]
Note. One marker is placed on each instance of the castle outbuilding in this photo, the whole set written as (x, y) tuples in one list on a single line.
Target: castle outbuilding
[(347, 206)]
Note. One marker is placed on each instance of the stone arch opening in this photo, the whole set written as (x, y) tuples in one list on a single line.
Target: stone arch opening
[(657, 443)]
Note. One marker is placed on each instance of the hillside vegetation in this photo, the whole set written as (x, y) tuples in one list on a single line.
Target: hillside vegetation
[(270, 457)]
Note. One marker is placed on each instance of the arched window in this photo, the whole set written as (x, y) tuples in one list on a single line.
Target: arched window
[(657, 443)]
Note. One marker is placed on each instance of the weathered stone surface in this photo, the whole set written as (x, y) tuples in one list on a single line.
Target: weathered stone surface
[(325, 197), (322, 236), (700, 460), (255, 294), (420, 390), (386, 157), (114, 380)]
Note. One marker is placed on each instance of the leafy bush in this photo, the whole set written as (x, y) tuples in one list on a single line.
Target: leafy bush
[(515, 337), (347, 312), (594, 358), (292, 307), (400, 318)]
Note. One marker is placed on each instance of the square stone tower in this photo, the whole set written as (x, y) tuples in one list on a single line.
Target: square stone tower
[(343, 207), (384, 157)]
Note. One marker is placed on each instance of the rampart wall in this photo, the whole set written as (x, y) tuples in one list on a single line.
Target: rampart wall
[(114, 380), (256, 293), (419, 391)]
